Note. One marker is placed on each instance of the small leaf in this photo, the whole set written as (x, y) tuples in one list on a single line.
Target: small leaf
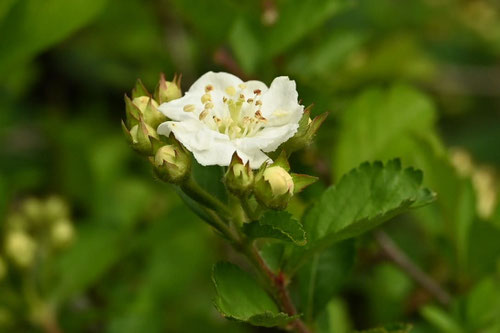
[(300, 182), (364, 198), (239, 297), (278, 225)]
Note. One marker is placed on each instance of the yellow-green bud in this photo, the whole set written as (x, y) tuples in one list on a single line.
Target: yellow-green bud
[(142, 137), (172, 163), (20, 247), (148, 109), (3, 268), (33, 209), (167, 91), (55, 208), (62, 233), (239, 177), (274, 187)]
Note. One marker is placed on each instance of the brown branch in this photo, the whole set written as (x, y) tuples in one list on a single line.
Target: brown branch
[(393, 252)]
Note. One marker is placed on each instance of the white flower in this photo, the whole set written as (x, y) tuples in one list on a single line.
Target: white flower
[(221, 114)]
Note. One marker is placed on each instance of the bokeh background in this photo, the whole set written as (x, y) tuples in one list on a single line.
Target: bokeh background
[(415, 79)]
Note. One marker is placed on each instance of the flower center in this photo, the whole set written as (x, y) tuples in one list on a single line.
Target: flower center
[(241, 115)]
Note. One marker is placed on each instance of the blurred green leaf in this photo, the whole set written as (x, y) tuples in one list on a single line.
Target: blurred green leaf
[(381, 124), (441, 319), (240, 297), (279, 225), (323, 276), (297, 19), (483, 305), (33, 25), (394, 328), (246, 45), (335, 318)]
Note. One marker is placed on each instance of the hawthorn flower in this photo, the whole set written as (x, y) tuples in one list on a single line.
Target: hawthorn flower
[(221, 114)]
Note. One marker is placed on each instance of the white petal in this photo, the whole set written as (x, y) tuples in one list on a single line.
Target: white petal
[(280, 103), (208, 147), (220, 81), (175, 109), (268, 139), (252, 85), (256, 157)]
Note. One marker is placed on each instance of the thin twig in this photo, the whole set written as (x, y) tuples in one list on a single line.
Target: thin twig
[(404, 262)]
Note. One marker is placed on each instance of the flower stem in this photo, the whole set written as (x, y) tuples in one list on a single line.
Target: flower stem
[(191, 188)]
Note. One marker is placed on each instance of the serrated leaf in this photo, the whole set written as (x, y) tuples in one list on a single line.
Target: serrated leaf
[(279, 225), (392, 328), (364, 198), (239, 297), (323, 276)]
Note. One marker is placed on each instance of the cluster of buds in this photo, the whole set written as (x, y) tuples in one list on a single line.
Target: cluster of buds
[(272, 185), (170, 160), (36, 224)]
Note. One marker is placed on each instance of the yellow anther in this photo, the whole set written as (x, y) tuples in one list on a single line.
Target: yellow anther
[(206, 98), (257, 91), (209, 88), (224, 99), (250, 100), (209, 105), (258, 103), (230, 91), (242, 86), (203, 114), (189, 107), (242, 97)]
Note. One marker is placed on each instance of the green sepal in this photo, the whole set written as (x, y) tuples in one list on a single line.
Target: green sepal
[(139, 90), (132, 112), (301, 181)]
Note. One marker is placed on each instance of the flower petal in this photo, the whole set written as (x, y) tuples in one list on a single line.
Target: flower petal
[(268, 139), (219, 80), (175, 109), (280, 103)]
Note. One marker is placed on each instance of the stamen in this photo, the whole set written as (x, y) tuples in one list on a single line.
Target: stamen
[(224, 99), (258, 103), (189, 108), (203, 114), (209, 88), (230, 91), (257, 91), (209, 105), (206, 98), (242, 86), (250, 100)]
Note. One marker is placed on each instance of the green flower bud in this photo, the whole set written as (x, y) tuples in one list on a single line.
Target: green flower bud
[(143, 107), (172, 163), (305, 133), (239, 177), (274, 187), (167, 91), (55, 208), (20, 247), (142, 137), (3, 268), (33, 209), (62, 233)]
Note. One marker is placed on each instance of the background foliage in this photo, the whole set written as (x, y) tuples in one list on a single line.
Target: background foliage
[(400, 79)]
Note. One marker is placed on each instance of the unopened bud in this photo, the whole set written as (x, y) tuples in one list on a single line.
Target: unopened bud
[(55, 208), (3, 268), (274, 187), (142, 137), (33, 210), (239, 177), (20, 247), (167, 91), (62, 233), (172, 163), (147, 109)]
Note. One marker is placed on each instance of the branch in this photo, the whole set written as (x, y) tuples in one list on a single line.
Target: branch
[(405, 263)]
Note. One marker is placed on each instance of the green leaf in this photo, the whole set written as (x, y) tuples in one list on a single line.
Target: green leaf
[(441, 319), (279, 225), (298, 18), (323, 276), (364, 198), (381, 124), (33, 25), (239, 297), (483, 304), (392, 328)]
